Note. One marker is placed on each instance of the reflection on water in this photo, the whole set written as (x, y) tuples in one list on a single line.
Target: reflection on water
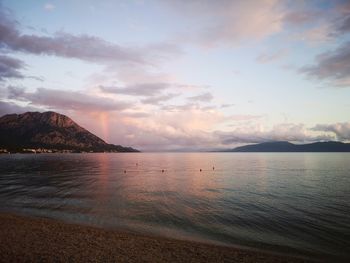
[(294, 202)]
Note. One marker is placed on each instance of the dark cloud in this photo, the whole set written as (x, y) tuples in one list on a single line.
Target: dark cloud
[(341, 130), (343, 19), (10, 67), (204, 97), (333, 66), (344, 26), (66, 100)]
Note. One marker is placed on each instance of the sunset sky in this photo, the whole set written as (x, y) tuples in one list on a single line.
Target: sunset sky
[(181, 75)]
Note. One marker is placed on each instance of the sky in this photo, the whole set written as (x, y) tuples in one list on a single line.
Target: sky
[(181, 75)]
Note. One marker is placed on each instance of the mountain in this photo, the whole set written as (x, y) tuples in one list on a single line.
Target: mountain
[(290, 147), (50, 130)]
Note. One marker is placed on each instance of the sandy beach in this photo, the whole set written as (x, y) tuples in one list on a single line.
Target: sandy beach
[(29, 239)]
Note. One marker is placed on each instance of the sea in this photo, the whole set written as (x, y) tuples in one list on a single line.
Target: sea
[(294, 203)]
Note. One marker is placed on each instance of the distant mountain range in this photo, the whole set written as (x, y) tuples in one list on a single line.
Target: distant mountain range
[(290, 147), (50, 130)]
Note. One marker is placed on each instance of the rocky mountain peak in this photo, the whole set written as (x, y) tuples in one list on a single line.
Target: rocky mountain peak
[(49, 130)]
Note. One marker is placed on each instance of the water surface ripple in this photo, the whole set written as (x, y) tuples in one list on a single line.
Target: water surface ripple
[(290, 202)]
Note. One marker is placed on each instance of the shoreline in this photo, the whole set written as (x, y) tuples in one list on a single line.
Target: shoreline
[(33, 239)]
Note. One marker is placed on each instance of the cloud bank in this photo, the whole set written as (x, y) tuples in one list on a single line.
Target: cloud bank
[(66, 100), (341, 130), (10, 67), (280, 132), (83, 47), (332, 66)]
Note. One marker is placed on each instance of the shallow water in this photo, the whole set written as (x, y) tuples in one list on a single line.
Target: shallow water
[(289, 202)]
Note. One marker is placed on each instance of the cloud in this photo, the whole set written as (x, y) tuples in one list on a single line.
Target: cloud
[(229, 22), (330, 23), (84, 47), (9, 67), (192, 128), (142, 89), (66, 100), (135, 114), (333, 66), (187, 107), (345, 25), (49, 7), (148, 89), (204, 97), (270, 57), (343, 21), (281, 132), (14, 92), (311, 22), (341, 130), (301, 17), (153, 93), (10, 108), (169, 130), (315, 35), (172, 131), (243, 117), (159, 99), (226, 105)]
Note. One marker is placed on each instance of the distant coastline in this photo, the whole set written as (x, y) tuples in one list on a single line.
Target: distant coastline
[(284, 146), (44, 151)]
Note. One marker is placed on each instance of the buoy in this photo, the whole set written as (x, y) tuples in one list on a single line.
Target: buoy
[(213, 168), (125, 171), (162, 171), (200, 170)]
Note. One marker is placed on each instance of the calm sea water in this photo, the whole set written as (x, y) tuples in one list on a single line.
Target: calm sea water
[(289, 202)]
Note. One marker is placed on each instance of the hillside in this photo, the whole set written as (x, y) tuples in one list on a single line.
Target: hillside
[(290, 147), (50, 130)]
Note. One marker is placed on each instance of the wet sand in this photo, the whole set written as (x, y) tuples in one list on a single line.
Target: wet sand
[(28, 239)]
